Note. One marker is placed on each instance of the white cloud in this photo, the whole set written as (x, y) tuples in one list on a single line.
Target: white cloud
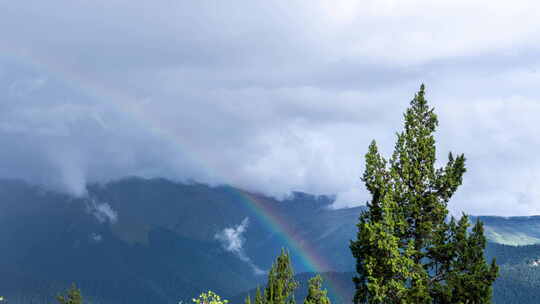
[(102, 211), (96, 237), (232, 240)]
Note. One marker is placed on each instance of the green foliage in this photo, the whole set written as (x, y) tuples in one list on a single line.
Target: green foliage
[(406, 251), (72, 296), (209, 297), (281, 283), (258, 296), (315, 293)]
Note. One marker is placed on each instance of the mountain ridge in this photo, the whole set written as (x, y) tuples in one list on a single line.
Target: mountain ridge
[(140, 240)]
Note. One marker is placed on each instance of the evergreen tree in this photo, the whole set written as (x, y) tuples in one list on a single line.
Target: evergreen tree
[(209, 297), (406, 250), (258, 296), (281, 284), (73, 296), (248, 299), (315, 293)]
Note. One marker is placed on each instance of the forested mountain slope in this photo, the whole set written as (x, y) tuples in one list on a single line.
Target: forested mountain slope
[(155, 241)]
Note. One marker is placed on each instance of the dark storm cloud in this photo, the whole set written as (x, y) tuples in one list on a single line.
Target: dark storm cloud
[(270, 96)]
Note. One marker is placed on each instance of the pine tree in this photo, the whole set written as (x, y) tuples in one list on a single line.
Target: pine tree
[(315, 293), (281, 284), (209, 297), (248, 299), (258, 296), (406, 249), (73, 296)]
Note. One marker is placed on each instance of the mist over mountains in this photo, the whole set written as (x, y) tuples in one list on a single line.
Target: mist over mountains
[(62, 135), (60, 129)]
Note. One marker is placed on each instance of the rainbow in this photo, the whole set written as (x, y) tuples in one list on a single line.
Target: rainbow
[(309, 257)]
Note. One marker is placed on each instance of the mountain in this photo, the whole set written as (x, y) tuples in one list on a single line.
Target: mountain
[(48, 240), (140, 241), (515, 230), (156, 241)]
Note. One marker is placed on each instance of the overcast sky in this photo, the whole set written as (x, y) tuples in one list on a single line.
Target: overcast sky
[(271, 96)]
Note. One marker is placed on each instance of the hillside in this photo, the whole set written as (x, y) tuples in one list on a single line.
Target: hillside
[(136, 240), (156, 241), (516, 230)]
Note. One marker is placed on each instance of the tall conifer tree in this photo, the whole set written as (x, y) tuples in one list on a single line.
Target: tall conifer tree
[(281, 284), (72, 296), (406, 250), (316, 295), (258, 296)]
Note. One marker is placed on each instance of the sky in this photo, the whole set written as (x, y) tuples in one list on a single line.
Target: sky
[(269, 96)]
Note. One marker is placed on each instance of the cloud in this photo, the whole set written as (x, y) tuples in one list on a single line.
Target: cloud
[(269, 96), (96, 237), (102, 211), (232, 237), (232, 240)]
